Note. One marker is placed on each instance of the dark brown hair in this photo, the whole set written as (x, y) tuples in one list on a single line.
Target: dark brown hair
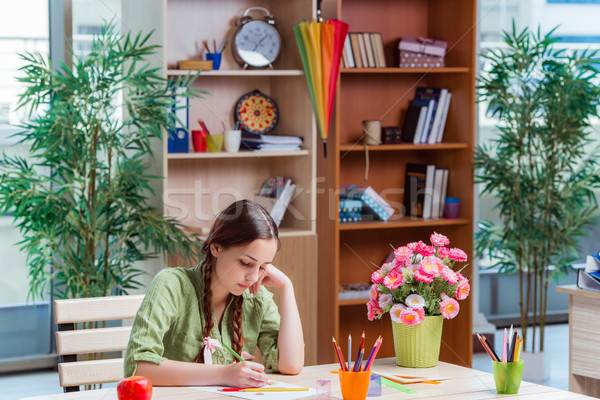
[(241, 223)]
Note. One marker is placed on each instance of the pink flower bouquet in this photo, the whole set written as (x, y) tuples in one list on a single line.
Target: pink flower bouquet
[(419, 281)]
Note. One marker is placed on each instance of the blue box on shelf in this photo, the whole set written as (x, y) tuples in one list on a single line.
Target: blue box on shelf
[(350, 210)]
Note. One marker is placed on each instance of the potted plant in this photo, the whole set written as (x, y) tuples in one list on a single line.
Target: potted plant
[(538, 168), (419, 288), (81, 200)]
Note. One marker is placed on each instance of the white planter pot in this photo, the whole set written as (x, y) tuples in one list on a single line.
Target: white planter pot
[(536, 366)]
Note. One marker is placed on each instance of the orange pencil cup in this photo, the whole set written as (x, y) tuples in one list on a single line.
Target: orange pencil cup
[(355, 385)]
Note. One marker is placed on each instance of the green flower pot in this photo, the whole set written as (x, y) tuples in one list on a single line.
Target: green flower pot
[(418, 346)]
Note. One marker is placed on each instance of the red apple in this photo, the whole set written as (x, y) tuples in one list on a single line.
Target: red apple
[(135, 388)]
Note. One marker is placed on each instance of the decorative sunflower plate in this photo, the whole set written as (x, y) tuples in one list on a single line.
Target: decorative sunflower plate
[(256, 112)]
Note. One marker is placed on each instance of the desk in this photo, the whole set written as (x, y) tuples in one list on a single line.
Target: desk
[(584, 340), (464, 384)]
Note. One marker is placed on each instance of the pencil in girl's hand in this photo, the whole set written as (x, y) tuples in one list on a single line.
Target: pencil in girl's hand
[(236, 355)]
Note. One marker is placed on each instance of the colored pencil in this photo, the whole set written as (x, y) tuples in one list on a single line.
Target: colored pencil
[(337, 353), (373, 354), (236, 355), (504, 347), (358, 361), (361, 346), (349, 351), (486, 347), (491, 348)]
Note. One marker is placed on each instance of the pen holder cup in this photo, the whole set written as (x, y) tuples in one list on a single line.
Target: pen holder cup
[(233, 139), (355, 385), (214, 143), (507, 376), (215, 58)]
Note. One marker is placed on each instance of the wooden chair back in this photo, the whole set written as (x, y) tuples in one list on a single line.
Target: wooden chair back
[(71, 341)]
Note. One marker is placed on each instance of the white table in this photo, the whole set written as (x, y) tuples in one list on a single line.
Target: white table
[(464, 384)]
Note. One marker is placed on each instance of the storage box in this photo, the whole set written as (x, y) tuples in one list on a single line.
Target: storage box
[(417, 52), (350, 210), (374, 206), (422, 45), (419, 60)]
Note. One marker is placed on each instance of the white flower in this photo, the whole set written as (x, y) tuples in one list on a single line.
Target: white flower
[(395, 312), (385, 300), (415, 301)]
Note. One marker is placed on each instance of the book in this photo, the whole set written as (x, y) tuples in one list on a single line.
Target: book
[(362, 50), (410, 123), (278, 192), (428, 96), (428, 194), (415, 188), (444, 191), (440, 183), (374, 205), (377, 41), (369, 50), (440, 132), (438, 114), (355, 49), (256, 142), (178, 141), (421, 124), (349, 56)]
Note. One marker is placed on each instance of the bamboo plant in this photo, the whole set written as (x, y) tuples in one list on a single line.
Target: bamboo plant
[(81, 198), (538, 168)]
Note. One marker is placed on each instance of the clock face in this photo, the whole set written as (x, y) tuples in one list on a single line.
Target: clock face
[(257, 113), (257, 43)]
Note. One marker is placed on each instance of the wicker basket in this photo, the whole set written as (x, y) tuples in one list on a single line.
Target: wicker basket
[(418, 346)]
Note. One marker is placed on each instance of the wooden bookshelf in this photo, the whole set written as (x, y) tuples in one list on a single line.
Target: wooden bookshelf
[(199, 185), (348, 251)]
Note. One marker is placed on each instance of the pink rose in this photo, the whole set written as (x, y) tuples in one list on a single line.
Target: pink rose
[(439, 240), (457, 254)]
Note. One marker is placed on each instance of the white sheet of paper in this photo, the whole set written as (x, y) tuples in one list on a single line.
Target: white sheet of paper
[(262, 395)]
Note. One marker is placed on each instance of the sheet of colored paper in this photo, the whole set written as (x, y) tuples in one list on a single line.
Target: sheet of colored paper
[(263, 395)]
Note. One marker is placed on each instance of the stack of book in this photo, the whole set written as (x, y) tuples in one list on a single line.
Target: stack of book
[(426, 116), (251, 141), (425, 190), (589, 278), (275, 195), (363, 50), (374, 206)]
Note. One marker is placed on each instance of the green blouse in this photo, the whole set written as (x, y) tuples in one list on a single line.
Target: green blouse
[(170, 322)]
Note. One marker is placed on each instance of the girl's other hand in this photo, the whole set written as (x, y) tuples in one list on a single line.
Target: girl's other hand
[(270, 276), (246, 374)]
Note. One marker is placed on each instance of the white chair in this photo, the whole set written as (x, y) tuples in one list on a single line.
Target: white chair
[(71, 341)]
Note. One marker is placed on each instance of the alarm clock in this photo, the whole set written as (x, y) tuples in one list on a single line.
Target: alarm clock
[(256, 41), (256, 112)]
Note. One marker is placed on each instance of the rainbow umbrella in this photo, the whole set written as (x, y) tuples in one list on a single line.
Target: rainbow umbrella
[(321, 45)]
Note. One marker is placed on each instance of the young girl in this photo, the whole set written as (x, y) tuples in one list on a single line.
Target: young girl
[(188, 313)]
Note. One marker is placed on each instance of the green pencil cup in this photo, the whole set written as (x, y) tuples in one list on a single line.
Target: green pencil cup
[(507, 376)]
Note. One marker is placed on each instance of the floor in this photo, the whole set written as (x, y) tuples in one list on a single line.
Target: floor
[(15, 386)]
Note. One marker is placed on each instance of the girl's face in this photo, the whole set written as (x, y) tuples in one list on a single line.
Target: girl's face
[(239, 267)]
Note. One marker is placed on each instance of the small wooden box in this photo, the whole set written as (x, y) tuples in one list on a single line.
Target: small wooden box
[(196, 65)]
